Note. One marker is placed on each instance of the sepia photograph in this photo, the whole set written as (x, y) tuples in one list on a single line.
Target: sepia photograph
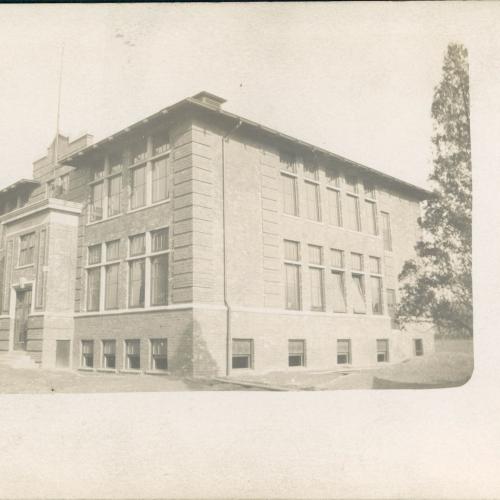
[(222, 253), (203, 206)]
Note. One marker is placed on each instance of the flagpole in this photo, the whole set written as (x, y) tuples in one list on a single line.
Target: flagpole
[(56, 145)]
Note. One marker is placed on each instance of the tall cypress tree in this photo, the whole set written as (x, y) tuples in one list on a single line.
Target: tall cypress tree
[(437, 285)]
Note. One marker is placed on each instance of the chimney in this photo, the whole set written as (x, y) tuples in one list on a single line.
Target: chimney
[(212, 100)]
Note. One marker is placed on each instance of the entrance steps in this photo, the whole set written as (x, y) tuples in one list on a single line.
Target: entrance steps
[(17, 359)]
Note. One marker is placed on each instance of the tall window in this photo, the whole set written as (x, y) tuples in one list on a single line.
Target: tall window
[(391, 307), (93, 288), (114, 192), (371, 217), (292, 275), (343, 352), (316, 271), (382, 350), (139, 151), (334, 207), (109, 354), (87, 353), (290, 195), (242, 353), (160, 143), (137, 273), (159, 177), (138, 192), (358, 284), (112, 283), (296, 353), (313, 201), (376, 286), (64, 183), (159, 267), (386, 231), (26, 249), (338, 277), (159, 354), (353, 216), (96, 202), (133, 354)]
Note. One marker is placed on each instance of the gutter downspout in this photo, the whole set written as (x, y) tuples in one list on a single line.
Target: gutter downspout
[(225, 139)]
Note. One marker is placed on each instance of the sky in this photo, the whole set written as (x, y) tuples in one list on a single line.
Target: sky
[(354, 78)]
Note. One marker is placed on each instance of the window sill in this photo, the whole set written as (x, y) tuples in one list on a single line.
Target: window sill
[(150, 205), (93, 223), (25, 266), (83, 369), (130, 371), (157, 372), (107, 370)]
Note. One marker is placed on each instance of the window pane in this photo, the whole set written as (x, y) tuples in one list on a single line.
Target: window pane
[(339, 300), (139, 151), (292, 290), (315, 254), (98, 172), (291, 250), (288, 162), (337, 258), (159, 347), (27, 249), (296, 346), (95, 254), (419, 347), (133, 347), (242, 347), (375, 265), (95, 206), (138, 187), (93, 288), (332, 177), (137, 245), (290, 198), (87, 353), (351, 183), (159, 240), (382, 350), (109, 346), (386, 231), (371, 217), (317, 293), (343, 352), (312, 198), (311, 171), (359, 305), (159, 280), (159, 174), (357, 261), (370, 190), (133, 352), (115, 162), (353, 220), (136, 283), (114, 192), (159, 354), (113, 250), (112, 281), (376, 286), (242, 354), (334, 207), (160, 143)]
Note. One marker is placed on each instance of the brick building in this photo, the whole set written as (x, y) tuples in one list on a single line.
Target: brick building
[(196, 241)]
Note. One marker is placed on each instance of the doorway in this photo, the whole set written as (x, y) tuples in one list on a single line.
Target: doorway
[(23, 309), (62, 353)]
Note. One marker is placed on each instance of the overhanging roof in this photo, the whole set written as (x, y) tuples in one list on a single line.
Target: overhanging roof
[(22, 183), (193, 102)]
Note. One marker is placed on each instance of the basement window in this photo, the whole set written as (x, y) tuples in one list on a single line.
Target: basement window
[(109, 354), (296, 353), (242, 353), (343, 352), (133, 353), (87, 353), (419, 347), (159, 359), (382, 351)]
